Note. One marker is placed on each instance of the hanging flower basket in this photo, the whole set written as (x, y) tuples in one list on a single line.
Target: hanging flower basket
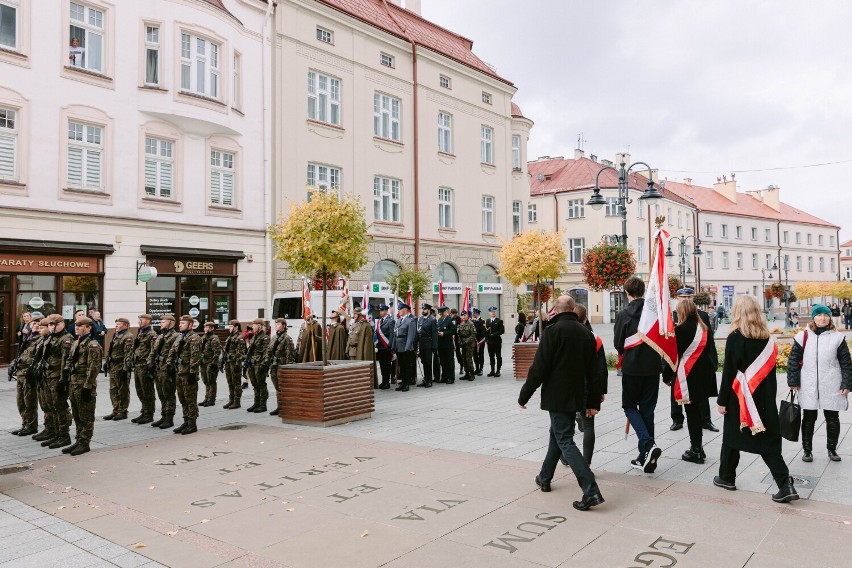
[(675, 284), (541, 293), (327, 283), (776, 290), (606, 266)]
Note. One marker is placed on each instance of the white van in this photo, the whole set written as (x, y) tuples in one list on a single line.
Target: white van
[(288, 305)]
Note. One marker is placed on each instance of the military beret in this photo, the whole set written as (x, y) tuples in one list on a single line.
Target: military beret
[(168, 317), (189, 319), (122, 320), (464, 313), (52, 319), (145, 316), (281, 321), (82, 320), (259, 321), (234, 322), (358, 310), (210, 324)]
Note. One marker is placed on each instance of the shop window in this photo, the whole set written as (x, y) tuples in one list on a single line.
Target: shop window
[(36, 294), (205, 298), (79, 293)]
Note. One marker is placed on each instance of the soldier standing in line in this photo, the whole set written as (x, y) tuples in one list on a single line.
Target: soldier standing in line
[(37, 372), (384, 353), (282, 352), (494, 330), (119, 362), (467, 343), (479, 351), (257, 359), (27, 396), (143, 345), (427, 343), (454, 313), (232, 363), (85, 365), (360, 343), (184, 361), (436, 360), (446, 332), (211, 352), (165, 380), (404, 338), (309, 344), (58, 347)]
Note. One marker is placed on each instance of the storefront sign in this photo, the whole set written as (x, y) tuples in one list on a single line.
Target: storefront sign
[(193, 301), (158, 306), (489, 288), (35, 263), (187, 266), (36, 303), (380, 288), (194, 312), (727, 290), (449, 288)]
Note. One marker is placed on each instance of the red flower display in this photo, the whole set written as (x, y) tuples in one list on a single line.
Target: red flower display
[(541, 293), (329, 284), (675, 284), (606, 266), (776, 290)]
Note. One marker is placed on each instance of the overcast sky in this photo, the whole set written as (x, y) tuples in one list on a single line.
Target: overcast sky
[(708, 87)]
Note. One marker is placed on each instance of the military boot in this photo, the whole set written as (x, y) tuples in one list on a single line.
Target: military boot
[(110, 416), (190, 427), (146, 419), (120, 416), (41, 435), (168, 422), (275, 412), (47, 441), (71, 448), (81, 448), (181, 428), (137, 419), (60, 442), (159, 422), (237, 399)]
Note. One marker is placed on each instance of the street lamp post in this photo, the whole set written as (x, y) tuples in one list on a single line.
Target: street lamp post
[(786, 269), (763, 277), (683, 263), (596, 201)]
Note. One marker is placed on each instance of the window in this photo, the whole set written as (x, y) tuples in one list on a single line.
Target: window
[(324, 178), (386, 199), (821, 264), (532, 213), (487, 214), (221, 178), (810, 264), (152, 55), (324, 35), (576, 248), (9, 24), (833, 269), (445, 133), (445, 208), (754, 233), (799, 263), (739, 232), (445, 82), (199, 66), (754, 260), (237, 100), (386, 117), (786, 261), (87, 38), (689, 222), (831, 241), (724, 231), (849, 273), (159, 167), (516, 217), (821, 240), (786, 237), (612, 207), (486, 98), (516, 153), (640, 249), (739, 261), (725, 260), (387, 60), (575, 209), (323, 98), (767, 235), (810, 238), (85, 156), (708, 259), (656, 210), (8, 144), (680, 219), (486, 145), (798, 238), (708, 229), (768, 261), (640, 210), (669, 217)]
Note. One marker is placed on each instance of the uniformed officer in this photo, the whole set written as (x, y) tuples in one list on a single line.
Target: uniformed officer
[(84, 365), (427, 336), (384, 353), (58, 347), (479, 349), (282, 352), (118, 364), (404, 339), (494, 330), (27, 394), (467, 342), (143, 344), (232, 363), (211, 353), (184, 363), (257, 360), (37, 369), (165, 380), (446, 332)]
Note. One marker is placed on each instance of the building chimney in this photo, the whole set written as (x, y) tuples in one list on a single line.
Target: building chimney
[(578, 154), (622, 157), (593, 158), (687, 181), (771, 196), (606, 162), (413, 6), (727, 188), (655, 174)]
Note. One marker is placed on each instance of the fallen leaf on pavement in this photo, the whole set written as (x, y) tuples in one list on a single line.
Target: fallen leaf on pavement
[(205, 520), (172, 533), (61, 507), (138, 545), (291, 509), (365, 533), (93, 472)]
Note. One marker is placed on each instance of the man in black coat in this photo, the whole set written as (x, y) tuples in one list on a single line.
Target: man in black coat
[(479, 352), (384, 351), (565, 368), (495, 330), (427, 333), (446, 348)]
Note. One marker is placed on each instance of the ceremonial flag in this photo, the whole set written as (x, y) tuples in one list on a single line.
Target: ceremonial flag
[(409, 297), (344, 298), (441, 294), (466, 301), (306, 299)]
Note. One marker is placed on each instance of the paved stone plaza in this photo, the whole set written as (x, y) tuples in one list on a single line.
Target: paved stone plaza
[(437, 477)]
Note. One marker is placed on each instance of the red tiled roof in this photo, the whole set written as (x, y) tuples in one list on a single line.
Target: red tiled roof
[(405, 24), (559, 175), (847, 244), (516, 111)]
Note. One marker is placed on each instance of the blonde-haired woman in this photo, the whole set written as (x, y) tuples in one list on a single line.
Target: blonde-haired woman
[(747, 399), (820, 368)]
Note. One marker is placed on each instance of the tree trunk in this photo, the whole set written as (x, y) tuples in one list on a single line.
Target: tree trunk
[(324, 295), (538, 309)]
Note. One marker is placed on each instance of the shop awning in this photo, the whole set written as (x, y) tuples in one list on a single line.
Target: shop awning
[(148, 250), (56, 246)]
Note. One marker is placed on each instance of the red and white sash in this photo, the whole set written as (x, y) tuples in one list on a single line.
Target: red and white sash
[(747, 382), (686, 362), (598, 342), (382, 338)]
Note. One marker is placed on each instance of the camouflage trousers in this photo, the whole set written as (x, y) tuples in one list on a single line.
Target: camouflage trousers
[(468, 352), (234, 375), (257, 374), (63, 409), (187, 391), (119, 390), (209, 376), (27, 399), (47, 395), (144, 383), (166, 392), (83, 412)]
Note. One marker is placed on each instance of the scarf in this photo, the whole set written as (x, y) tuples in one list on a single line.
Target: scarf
[(686, 362), (747, 382)]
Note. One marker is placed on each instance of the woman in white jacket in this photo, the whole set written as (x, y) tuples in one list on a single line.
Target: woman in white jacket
[(820, 369)]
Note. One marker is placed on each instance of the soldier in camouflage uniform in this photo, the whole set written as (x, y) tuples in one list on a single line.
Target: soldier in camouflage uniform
[(85, 365), (467, 342), (27, 397), (257, 362), (211, 352), (143, 346), (57, 351), (282, 352), (184, 362), (165, 380), (232, 363), (119, 361), (37, 373)]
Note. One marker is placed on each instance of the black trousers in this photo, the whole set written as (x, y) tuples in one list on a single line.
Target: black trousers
[(448, 364), (694, 422), (495, 351), (479, 356), (384, 357), (407, 361), (677, 410), (426, 361), (436, 366), (832, 427), (730, 459)]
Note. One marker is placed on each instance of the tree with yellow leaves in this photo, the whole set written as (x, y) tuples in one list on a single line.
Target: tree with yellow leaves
[(324, 236)]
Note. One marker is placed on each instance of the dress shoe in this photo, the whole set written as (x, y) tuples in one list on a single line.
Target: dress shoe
[(808, 456), (588, 502), (402, 388), (122, 416), (384, 386), (491, 374), (479, 373), (180, 429), (832, 455), (719, 482), (274, 412), (786, 492), (693, 455), (167, 423), (676, 426), (428, 385), (710, 427), (71, 448), (497, 374), (423, 384), (109, 416), (81, 448), (60, 442), (545, 487), (145, 419)]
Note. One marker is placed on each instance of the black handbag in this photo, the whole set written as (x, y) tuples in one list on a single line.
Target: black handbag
[(790, 417)]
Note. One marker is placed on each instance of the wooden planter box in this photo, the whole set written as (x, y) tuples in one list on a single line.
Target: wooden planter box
[(313, 394), (522, 356)]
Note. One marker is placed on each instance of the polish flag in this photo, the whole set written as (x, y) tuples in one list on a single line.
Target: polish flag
[(344, 298), (441, 294), (409, 297), (306, 299), (466, 301)]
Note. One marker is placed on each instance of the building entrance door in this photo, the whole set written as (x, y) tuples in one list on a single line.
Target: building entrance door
[(6, 330)]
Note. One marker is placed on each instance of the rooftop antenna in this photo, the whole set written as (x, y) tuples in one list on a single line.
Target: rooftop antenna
[(581, 142)]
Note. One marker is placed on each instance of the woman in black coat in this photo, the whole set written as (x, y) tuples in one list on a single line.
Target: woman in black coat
[(701, 379), (748, 338), (586, 424)]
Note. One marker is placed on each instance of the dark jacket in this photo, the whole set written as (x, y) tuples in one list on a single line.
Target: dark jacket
[(740, 352), (711, 340), (566, 368), (427, 333), (641, 360), (446, 326), (702, 378)]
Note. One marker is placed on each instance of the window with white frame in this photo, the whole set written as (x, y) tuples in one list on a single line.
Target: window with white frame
[(486, 98), (488, 214), (821, 264), (386, 117), (725, 260), (444, 82), (9, 24), (576, 248), (640, 249), (767, 235), (708, 229), (516, 217), (324, 35), (849, 273), (810, 240), (669, 217), (739, 232), (516, 152), (323, 98), (640, 209), (832, 260), (798, 238), (532, 213), (85, 156), (386, 199), (445, 132), (152, 55), (786, 237), (680, 219), (786, 262), (199, 66), (612, 207), (831, 241), (159, 168), (708, 259), (754, 261), (386, 59), (656, 210), (237, 100), (724, 231), (86, 37), (575, 209), (445, 208), (8, 144), (486, 145), (221, 178), (324, 178), (768, 261), (754, 233), (820, 240), (810, 264), (689, 222), (739, 261), (799, 263)]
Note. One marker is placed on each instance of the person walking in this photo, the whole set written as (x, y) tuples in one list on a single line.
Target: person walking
[(118, 363), (235, 353), (565, 369), (85, 365), (640, 367), (211, 353), (143, 377), (494, 329), (184, 362), (747, 400), (586, 423), (820, 369)]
